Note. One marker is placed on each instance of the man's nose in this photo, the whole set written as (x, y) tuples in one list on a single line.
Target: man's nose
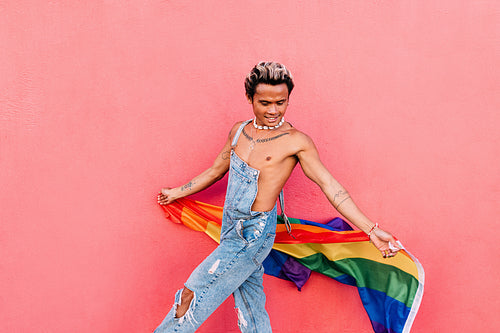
[(272, 109)]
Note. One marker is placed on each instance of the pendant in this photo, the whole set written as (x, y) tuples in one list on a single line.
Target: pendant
[(252, 144)]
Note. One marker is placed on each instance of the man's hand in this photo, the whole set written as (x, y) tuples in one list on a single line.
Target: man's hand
[(384, 242), (165, 197)]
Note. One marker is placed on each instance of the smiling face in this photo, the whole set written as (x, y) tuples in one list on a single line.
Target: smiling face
[(269, 103)]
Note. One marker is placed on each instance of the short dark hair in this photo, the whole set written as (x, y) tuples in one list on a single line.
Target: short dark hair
[(269, 73)]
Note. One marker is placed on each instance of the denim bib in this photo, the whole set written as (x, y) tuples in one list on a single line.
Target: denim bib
[(243, 186)]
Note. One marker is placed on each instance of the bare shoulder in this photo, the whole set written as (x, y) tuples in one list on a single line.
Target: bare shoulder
[(234, 129), (300, 139)]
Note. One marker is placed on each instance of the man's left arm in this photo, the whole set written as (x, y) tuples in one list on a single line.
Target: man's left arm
[(340, 198)]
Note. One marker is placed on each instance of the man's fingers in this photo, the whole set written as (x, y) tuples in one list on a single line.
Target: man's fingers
[(393, 247), (163, 199), (387, 254), (393, 250)]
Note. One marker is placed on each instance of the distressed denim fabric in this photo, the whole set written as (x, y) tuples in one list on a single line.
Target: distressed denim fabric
[(235, 266)]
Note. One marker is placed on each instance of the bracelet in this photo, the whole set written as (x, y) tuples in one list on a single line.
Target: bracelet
[(371, 230)]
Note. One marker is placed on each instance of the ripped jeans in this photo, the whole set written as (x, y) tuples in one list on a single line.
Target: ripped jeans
[(234, 267)]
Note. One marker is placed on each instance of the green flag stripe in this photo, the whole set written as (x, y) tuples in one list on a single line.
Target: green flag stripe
[(369, 274)]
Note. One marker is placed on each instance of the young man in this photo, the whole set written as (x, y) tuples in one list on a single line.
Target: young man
[(259, 163)]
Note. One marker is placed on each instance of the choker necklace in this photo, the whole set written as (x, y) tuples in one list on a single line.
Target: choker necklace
[(268, 127)]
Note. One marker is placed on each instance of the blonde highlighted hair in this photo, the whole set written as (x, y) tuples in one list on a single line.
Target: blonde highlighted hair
[(269, 73)]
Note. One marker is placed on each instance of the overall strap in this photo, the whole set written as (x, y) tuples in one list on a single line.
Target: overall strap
[(238, 132), (283, 215)]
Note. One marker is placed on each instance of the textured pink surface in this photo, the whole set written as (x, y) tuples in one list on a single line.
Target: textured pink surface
[(102, 103)]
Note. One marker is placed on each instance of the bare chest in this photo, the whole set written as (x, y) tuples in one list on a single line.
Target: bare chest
[(264, 152)]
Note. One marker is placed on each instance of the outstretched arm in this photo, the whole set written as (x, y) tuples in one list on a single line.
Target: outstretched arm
[(340, 199), (203, 180)]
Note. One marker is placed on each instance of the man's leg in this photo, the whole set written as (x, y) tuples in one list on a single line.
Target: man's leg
[(250, 301), (186, 297), (214, 280), (220, 274), (175, 318)]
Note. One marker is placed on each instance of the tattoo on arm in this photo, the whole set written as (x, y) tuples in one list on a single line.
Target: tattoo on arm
[(188, 186), (225, 154), (340, 195), (340, 203)]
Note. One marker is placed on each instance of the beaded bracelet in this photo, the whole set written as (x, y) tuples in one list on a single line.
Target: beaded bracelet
[(371, 230)]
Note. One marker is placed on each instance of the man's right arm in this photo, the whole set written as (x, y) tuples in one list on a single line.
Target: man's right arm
[(203, 180), (340, 199)]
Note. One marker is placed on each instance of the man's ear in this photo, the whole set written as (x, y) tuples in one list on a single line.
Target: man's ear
[(249, 99)]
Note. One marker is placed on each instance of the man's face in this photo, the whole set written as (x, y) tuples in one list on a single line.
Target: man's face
[(269, 103)]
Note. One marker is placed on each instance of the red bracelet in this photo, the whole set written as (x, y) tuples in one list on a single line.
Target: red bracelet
[(371, 230)]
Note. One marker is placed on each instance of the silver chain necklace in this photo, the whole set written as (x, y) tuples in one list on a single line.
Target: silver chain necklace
[(264, 139)]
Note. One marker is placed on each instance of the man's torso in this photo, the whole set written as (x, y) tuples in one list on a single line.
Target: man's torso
[(273, 153)]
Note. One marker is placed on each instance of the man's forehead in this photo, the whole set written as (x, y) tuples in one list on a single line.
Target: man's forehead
[(264, 90)]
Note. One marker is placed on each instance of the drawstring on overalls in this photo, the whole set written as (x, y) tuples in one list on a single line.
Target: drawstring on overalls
[(288, 225)]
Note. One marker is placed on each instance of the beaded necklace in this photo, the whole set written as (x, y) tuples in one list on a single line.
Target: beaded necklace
[(267, 127)]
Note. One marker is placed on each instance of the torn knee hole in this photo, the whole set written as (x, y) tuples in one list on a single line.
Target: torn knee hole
[(184, 303)]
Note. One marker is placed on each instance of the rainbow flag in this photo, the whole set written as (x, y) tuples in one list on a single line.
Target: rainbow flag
[(391, 289)]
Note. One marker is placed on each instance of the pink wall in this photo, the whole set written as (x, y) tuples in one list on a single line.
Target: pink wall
[(104, 102)]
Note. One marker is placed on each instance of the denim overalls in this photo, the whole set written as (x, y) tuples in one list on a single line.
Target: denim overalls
[(235, 266)]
